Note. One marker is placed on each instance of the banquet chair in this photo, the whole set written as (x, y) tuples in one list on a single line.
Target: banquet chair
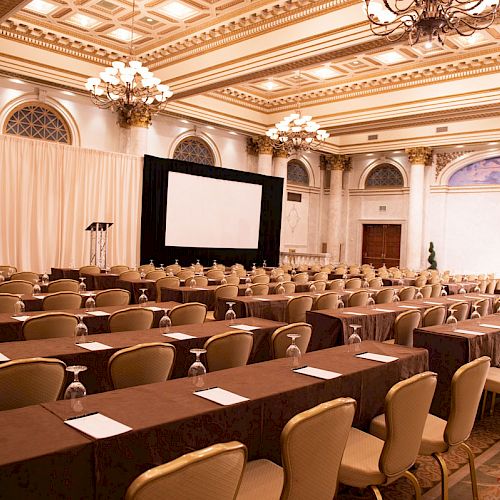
[(278, 271), (434, 279), (368, 461), (434, 316), (490, 288), (460, 310), (289, 287), (353, 284), (312, 444), (132, 318), (8, 302), (25, 276), (261, 278), (49, 325), (457, 278), (496, 305), (226, 292), (141, 364), (118, 269), (482, 285), (130, 275), (200, 280), (426, 291), (420, 281), (354, 270), (112, 297), (358, 298), (174, 268), (375, 283), (301, 278), (8, 269), (321, 276), (185, 274), (404, 325), (259, 289), (233, 279), (213, 473), (280, 342), (483, 306), (228, 350), (145, 268), (340, 270), (436, 290), (63, 285), (328, 300), (94, 270), (297, 307), (155, 275), (316, 268), (384, 296), (188, 314), (319, 285), (336, 285), (17, 286), (31, 381), (407, 293), (62, 300), (440, 435), (214, 274), (492, 384), (302, 268), (167, 281), (240, 272)]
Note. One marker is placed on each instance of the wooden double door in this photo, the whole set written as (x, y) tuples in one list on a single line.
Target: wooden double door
[(381, 244)]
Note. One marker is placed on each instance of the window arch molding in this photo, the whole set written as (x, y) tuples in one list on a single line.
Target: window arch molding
[(307, 165), (199, 135), (27, 99), (382, 161)]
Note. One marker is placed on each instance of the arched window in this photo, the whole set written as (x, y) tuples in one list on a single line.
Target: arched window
[(384, 175), (194, 149), (297, 173), (38, 121)]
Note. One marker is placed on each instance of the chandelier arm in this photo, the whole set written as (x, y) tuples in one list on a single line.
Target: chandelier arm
[(399, 11), (457, 27)]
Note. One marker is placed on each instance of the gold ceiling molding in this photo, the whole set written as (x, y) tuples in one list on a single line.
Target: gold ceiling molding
[(420, 155), (444, 159), (335, 162)]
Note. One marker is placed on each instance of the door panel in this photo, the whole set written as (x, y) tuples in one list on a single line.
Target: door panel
[(381, 244)]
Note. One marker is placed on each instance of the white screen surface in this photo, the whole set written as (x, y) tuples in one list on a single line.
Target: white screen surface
[(212, 213)]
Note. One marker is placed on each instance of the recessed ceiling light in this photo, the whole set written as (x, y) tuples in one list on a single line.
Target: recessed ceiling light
[(233, 133), (474, 39), (270, 85), (325, 72), (83, 21), (390, 57), (210, 127), (178, 10), (492, 143), (124, 35), (40, 7), (460, 146), (355, 63), (15, 80), (369, 154)]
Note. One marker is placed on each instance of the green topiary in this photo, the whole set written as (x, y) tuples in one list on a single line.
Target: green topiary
[(432, 257)]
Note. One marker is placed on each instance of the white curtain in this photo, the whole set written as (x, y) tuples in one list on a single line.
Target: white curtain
[(52, 192)]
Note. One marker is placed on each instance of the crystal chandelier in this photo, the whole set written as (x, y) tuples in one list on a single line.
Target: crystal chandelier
[(129, 89), (426, 19)]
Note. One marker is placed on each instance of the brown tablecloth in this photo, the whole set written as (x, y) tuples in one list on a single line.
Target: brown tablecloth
[(34, 302), (449, 350), (453, 288), (59, 273), (398, 281), (135, 286), (103, 281), (176, 421)]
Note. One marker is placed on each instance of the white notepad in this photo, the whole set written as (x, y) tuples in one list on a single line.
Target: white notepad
[(470, 332), (221, 396), (355, 314), (98, 313), (383, 310), (98, 426), (376, 357), (20, 318), (456, 300), (432, 303), (178, 336), (94, 346), (3, 357), (487, 325), (39, 296), (154, 308), (264, 300), (410, 307), (317, 372), (247, 328)]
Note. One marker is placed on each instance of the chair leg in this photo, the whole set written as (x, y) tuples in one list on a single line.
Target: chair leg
[(483, 407), (376, 492), (444, 475), (472, 467), (415, 483), (492, 403)]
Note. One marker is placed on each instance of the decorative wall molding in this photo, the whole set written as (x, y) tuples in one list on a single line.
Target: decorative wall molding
[(420, 155), (442, 160)]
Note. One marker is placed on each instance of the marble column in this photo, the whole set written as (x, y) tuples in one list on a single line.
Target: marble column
[(133, 138), (280, 162), (265, 160), (419, 158), (321, 205), (252, 155)]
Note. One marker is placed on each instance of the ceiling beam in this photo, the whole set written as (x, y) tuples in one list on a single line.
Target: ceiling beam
[(10, 7)]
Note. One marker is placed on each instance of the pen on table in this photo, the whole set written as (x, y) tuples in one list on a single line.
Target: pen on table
[(84, 415)]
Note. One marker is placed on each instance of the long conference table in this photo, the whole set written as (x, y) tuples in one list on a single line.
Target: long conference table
[(40, 456)]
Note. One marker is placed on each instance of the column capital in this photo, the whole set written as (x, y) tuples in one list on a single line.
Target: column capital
[(420, 155), (252, 146), (265, 145), (280, 153), (335, 162)]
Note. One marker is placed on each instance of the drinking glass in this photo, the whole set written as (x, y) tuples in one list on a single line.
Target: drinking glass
[(223, 281), (143, 275), (254, 269), (280, 290), (214, 264), (475, 313), (371, 300), (230, 314), (81, 331), (312, 288), (191, 282), (45, 279), (264, 263), (197, 370), (36, 287), (419, 294), (90, 303), (248, 280), (476, 289), (151, 263), (443, 291), (165, 321), (293, 351), (176, 262), (82, 287), (76, 389), (340, 303), (462, 289), (293, 273), (143, 298), (354, 338), (19, 307), (396, 298), (197, 262), (365, 284), (248, 290), (2, 277), (162, 267), (451, 320)]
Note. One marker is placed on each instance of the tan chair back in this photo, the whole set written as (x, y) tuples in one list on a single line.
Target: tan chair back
[(483, 306), (490, 288), (112, 297), (312, 445), (8, 302), (420, 281), (17, 286), (280, 342), (89, 270), (259, 289), (118, 269), (226, 292), (336, 285), (404, 325), (407, 293), (359, 298), (319, 285), (434, 316), (316, 268), (354, 270), (155, 275), (384, 296), (426, 291), (133, 318), (482, 286), (174, 268), (62, 300), (376, 283), (146, 268), (130, 275), (460, 310), (200, 280), (213, 473), (340, 270), (302, 267), (141, 364), (467, 386), (168, 281), (297, 307), (25, 276), (228, 350), (406, 407), (185, 274), (7, 269), (289, 287), (32, 381), (233, 279), (49, 325), (214, 274), (321, 276), (353, 284), (436, 290), (188, 314), (301, 278), (63, 285), (328, 300), (261, 278)]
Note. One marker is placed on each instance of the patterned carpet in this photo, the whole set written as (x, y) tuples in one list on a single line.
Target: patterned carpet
[(485, 443)]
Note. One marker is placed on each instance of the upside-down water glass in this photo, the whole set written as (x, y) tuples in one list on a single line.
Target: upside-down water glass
[(248, 290), (197, 370), (76, 389), (143, 298), (90, 303), (443, 291), (230, 314), (165, 321), (293, 351), (82, 287)]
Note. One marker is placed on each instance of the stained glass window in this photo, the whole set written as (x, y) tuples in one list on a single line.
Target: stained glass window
[(297, 173), (194, 149), (38, 121), (384, 175)]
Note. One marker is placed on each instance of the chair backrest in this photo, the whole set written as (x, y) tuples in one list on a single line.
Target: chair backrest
[(184, 274), (321, 276), (407, 293), (406, 407), (358, 298), (62, 300), (384, 296), (214, 274), (261, 278), (482, 286), (155, 275), (302, 267), (297, 307), (467, 386), (228, 350), (328, 300), (188, 314), (133, 318), (49, 325), (7, 269), (354, 270), (289, 286), (319, 285), (233, 279), (63, 285), (460, 310), (17, 286), (490, 288), (141, 364), (146, 268), (426, 291), (213, 473), (340, 270), (226, 292), (434, 316), (89, 270), (280, 341), (112, 297), (8, 302), (174, 268), (301, 278), (375, 283), (336, 285), (353, 284), (32, 381), (436, 290), (482, 306), (118, 269), (316, 268), (420, 281), (130, 275), (201, 280), (312, 445), (25, 276), (404, 325), (260, 289), (167, 281)]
